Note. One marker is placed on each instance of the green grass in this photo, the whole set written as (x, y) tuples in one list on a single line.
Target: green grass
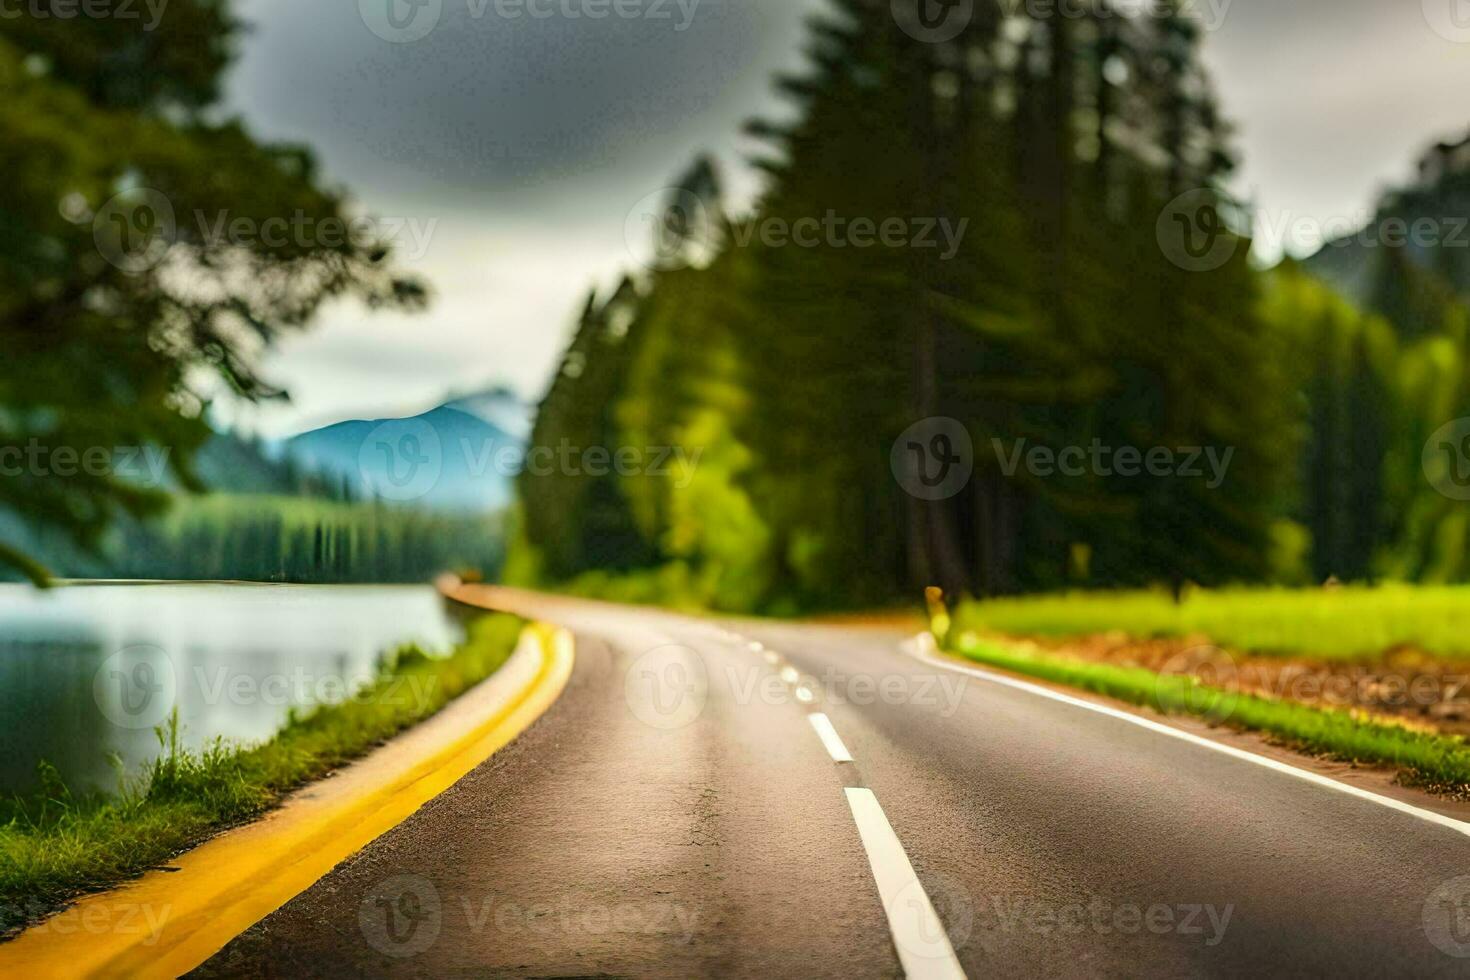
[(1349, 623), (54, 847), (1436, 761)]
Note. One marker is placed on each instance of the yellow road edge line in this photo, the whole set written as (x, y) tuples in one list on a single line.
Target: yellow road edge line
[(167, 923)]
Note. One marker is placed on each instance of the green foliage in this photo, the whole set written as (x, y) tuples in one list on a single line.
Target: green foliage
[(1438, 760), (790, 371), (103, 120), (1342, 364), (1052, 316), (1353, 622), (55, 846), (580, 521), (284, 539), (265, 538)]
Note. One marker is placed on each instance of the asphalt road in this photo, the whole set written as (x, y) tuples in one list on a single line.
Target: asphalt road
[(679, 813)]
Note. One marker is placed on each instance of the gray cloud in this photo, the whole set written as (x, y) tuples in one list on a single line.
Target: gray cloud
[(531, 139), (484, 106)]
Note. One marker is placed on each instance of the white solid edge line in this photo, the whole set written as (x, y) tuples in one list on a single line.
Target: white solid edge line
[(918, 936), (829, 737), (1459, 826)]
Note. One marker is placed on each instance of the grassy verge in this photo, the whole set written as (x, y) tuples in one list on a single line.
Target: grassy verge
[(1437, 762), (54, 847), (1350, 623)]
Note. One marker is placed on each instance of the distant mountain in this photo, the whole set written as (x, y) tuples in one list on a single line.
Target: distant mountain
[(1413, 259), (459, 459), (230, 463), (500, 407), (460, 456)]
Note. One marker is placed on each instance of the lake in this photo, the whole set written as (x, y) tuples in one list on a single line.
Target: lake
[(88, 671)]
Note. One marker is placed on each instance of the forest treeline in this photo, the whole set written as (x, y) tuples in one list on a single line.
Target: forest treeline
[(313, 541), (259, 538), (119, 323), (1064, 147), (269, 519)]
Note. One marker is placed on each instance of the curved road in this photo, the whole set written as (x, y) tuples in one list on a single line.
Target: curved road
[(686, 810)]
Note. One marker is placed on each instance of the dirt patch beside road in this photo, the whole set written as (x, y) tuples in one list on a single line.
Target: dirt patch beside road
[(1408, 686)]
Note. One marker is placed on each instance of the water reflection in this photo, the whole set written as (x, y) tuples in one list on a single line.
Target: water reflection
[(86, 672)]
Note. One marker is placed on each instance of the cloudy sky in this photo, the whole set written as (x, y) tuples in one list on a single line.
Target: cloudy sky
[(513, 149)]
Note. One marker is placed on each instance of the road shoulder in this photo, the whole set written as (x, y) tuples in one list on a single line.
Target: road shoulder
[(1379, 780), (173, 919)]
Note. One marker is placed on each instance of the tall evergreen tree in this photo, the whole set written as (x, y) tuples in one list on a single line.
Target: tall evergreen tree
[(114, 295)]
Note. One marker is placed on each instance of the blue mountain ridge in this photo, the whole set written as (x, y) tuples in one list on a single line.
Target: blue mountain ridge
[(444, 459)]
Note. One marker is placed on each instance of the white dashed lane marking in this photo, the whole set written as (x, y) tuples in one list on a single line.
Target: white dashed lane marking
[(829, 737), (923, 947), (918, 935)]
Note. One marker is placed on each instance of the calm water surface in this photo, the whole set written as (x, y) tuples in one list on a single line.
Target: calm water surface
[(87, 672)]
